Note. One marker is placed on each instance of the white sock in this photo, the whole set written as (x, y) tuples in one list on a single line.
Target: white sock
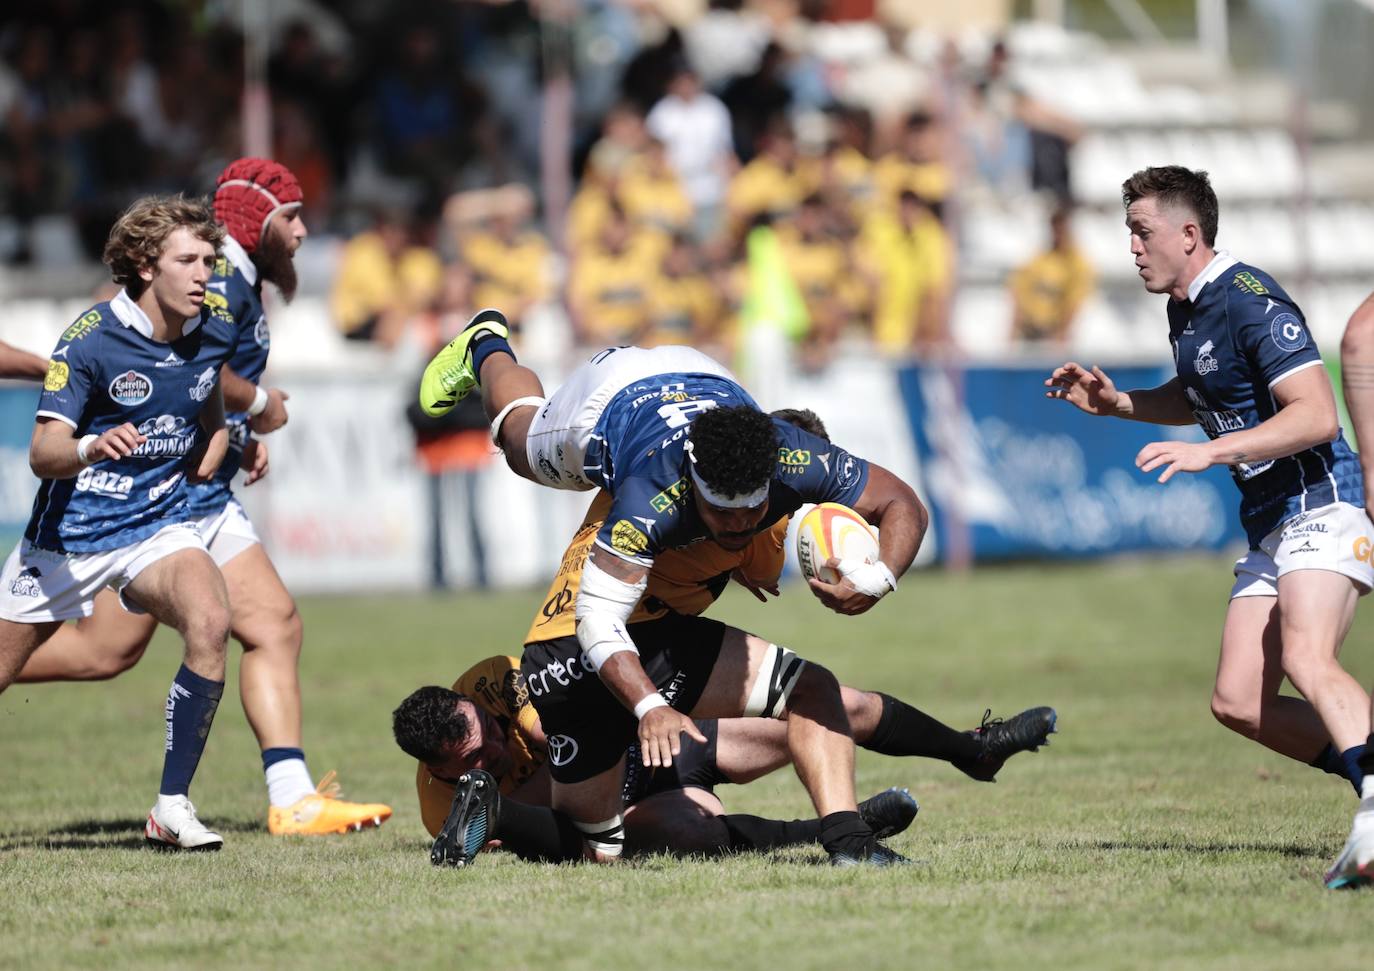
[(288, 782), (164, 800), (1367, 788)]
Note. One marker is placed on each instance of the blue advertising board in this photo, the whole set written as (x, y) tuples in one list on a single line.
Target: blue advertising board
[(1019, 475), (17, 482)]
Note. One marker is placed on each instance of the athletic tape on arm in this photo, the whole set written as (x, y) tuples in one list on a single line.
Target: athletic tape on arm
[(604, 604)]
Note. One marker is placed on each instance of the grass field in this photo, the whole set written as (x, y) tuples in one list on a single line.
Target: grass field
[(1146, 836)]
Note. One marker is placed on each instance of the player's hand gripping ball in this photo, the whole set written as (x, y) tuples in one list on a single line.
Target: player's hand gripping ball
[(832, 530)]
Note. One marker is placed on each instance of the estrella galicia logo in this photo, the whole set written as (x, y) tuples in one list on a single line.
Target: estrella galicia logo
[(261, 335), (1288, 332), (130, 388), (562, 749), (26, 584), (1205, 363), (205, 383)]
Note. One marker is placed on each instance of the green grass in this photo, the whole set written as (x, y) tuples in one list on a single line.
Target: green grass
[(1146, 836)]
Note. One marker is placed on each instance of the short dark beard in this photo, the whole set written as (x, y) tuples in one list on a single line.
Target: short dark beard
[(274, 262)]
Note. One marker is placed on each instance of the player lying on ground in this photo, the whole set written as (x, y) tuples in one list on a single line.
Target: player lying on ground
[(682, 583), (1249, 373), (1355, 865), (258, 202), (686, 455), (116, 438)]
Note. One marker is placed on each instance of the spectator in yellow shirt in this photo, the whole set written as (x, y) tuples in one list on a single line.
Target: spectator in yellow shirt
[(1048, 292), (385, 277), (910, 260), (608, 287), (917, 165), (684, 304), (771, 185), (508, 257)]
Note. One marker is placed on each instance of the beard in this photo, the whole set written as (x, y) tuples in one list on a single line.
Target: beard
[(274, 261)]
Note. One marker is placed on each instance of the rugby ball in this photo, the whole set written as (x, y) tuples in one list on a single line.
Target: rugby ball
[(831, 529)]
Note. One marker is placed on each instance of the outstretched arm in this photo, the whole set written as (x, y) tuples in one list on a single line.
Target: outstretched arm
[(1092, 391), (15, 363)]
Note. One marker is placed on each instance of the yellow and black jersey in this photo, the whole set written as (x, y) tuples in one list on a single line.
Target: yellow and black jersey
[(507, 273), (609, 291), (895, 174), (1048, 291), (685, 581), (497, 687), (681, 309), (763, 187)]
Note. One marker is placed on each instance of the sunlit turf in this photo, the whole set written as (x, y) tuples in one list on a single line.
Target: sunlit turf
[(1146, 836)]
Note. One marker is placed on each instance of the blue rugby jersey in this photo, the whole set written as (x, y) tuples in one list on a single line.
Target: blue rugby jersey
[(236, 290), (1237, 336), (107, 370), (637, 455)]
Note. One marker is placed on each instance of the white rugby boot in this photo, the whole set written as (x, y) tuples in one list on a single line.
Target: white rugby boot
[(1355, 866), (172, 825)]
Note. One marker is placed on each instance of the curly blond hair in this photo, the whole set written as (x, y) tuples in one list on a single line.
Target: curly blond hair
[(139, 236)]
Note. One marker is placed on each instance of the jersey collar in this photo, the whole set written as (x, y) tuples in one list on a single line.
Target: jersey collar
[(237, 255), (1219, 265), (131, 315)]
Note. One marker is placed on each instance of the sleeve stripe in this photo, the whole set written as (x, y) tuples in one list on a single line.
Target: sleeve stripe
[(1290, 371), (53, 414)]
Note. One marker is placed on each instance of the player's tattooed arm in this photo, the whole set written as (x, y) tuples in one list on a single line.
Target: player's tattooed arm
[(56, 453), (1357, 380)]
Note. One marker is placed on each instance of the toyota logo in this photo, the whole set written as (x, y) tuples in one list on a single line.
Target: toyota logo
[(562, 749)]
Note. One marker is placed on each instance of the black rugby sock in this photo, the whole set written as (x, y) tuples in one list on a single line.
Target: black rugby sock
[(904, 730), (1367, 759), (846, 832), (1329, 761), (754, 833), (536, 833)]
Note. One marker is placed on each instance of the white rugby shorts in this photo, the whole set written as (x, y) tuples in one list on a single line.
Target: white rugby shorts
[(557, 441), (1335, 537), (227, 533), (38, 585)]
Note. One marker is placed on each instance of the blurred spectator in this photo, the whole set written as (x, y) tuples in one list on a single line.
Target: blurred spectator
[(317, 82), (384, 279), (910, 261), (918, 164), (1048, 292), (298, 146), (622, 139), (506, 255), (651, 193), (695, 127), (726, 41), (684, 303), (1049, 133), (608, 287), (844, 174), (753, 100), (997, 142), (889, 86), (819, 264), (772, 185)]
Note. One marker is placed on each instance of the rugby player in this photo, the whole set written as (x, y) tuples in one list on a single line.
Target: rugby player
[(115, 440), (15, 363), (258, 202), (1249, 373), (1355, 865), (685, 455)]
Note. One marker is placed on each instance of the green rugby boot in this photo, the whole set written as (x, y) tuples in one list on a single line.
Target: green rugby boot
[(449, 377)]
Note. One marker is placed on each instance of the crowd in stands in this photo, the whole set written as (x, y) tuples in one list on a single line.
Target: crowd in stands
[(728, 176)]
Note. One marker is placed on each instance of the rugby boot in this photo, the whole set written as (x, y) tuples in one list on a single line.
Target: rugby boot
[(473, 816), (889, 812), (449, 377), (322, 813), (1000, 739), (1355, 866), (173, 825), (875, 854)]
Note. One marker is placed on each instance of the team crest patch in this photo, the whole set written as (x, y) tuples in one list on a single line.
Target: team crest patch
[(261, 334), (1205, 363), (56, 378), (205, 383), (1288, 332), (26, 584), (131, 388), (627, 538)]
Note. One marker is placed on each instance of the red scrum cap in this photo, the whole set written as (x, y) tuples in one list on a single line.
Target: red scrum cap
[(249, 192)]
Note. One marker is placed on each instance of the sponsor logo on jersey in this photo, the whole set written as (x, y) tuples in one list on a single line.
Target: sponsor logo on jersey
[(61, 352), (670, 496), (171, 360), (261, 333), (1205, 363), (825, 461), (547, 468), (204, 384), (627, 538), (131, 388), (557, 604), (1362, 549), (222, 268), (1306, 547), (56, 378), (1247, 281), (562, 749), (83, 326), (562, 672), (1269, 306), (1288, 332), (103, 482), (163, 487), (216, 301), (26, 584), (794, 457), (166, 435), (848, 472)]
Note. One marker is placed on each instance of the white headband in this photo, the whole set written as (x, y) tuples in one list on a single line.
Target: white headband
[(277, 205), (746, 501)]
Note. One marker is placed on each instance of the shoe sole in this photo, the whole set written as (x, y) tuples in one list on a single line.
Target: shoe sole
[(1363, 877), (164, 847), (463, 832)]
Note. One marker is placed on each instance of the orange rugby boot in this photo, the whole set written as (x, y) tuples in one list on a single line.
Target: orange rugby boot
[(323, 812)]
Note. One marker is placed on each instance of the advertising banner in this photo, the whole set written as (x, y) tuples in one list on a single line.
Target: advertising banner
[(17, 481), (1011, 473)]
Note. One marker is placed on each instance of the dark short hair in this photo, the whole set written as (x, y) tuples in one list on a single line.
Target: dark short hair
[(735, 449), (428, 721), (1174, 185), (805, 419)]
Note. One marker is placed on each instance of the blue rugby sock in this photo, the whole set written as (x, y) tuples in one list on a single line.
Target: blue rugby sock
[(1351, 758), (1329, 761), (191, 704), (1367, 759), (483, 346)]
